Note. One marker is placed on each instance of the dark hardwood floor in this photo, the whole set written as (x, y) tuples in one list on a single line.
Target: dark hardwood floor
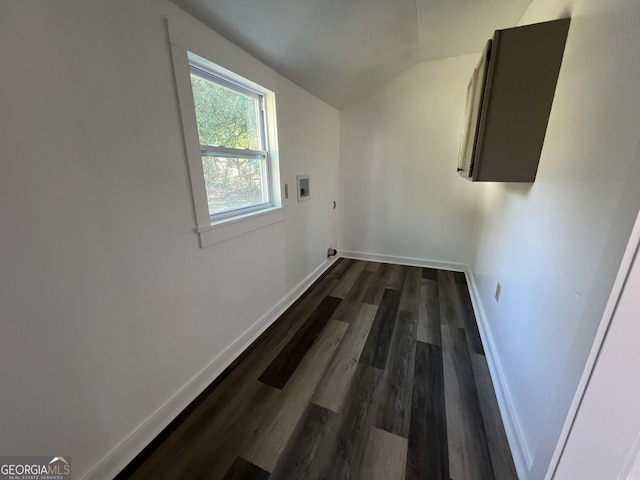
[(377, 372)]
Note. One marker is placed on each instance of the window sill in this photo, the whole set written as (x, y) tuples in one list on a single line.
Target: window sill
[(229, 228)]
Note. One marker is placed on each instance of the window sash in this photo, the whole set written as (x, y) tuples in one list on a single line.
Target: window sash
[(266, 189), (222, 151), (219, 150), (238, 212), (212, 77)]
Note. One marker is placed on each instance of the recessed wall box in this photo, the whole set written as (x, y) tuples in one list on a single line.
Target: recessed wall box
[(304, 188)]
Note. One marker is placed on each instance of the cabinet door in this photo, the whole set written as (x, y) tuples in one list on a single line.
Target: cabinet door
[(466, 143), (475, 94)]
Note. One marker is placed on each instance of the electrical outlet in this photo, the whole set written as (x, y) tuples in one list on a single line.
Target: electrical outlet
[(286, 191), (498, 290)]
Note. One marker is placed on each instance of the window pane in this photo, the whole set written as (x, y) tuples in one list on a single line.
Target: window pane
[(234, 183), (225, 117)]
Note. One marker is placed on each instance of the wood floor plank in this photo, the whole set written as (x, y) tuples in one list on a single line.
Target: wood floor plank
[(465, 425), (428, 455), (188, 452), (469, 318), (279, 371), (266, 443), (352, 434), (262, 352), (244, 470), (306, 455), (396, 276), (476, 444), (372, 267), (333, 386), (376, 348), (225, 442), (348, 279), (378, 285), (340, 267), (455, 423), (429, 314), (394, 409), (456, 458), (450, 309), (501, 458), (352, 301), (429, 274), (385, 456), (410, 297), (459, 278)]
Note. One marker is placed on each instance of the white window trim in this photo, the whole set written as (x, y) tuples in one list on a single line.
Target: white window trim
[(219, 228)]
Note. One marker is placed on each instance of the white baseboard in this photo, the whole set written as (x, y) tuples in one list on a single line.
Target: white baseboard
[(118, 458), (520, 450), (414, 262)]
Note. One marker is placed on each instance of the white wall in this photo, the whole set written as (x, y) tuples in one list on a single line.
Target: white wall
[(400, 194), (555, 245), (605, 437), (109, 307)]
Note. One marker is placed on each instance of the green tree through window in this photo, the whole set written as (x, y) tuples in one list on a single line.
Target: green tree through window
[(225, 117)]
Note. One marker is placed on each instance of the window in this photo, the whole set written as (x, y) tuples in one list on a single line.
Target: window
[(231, 129), (230, 135)]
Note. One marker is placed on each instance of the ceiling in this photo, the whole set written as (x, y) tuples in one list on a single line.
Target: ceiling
[(341, 49)]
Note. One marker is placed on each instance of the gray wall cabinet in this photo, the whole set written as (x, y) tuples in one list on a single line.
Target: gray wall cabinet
[(509, 101)]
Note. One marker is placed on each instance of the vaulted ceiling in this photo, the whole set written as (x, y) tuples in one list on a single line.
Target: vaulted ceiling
[(341, 49)]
